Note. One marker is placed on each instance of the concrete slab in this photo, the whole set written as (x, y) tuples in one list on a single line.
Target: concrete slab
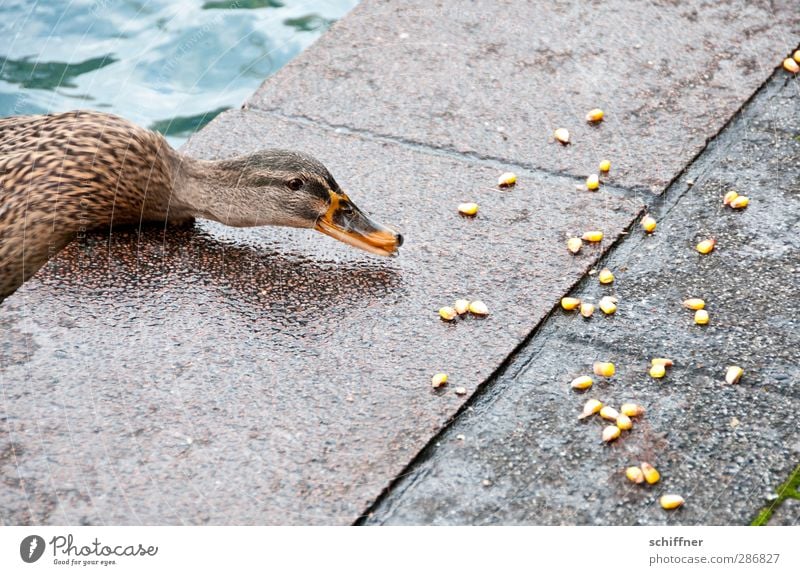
[(494, 79), (787, 514), (724, 448), (260, 376)]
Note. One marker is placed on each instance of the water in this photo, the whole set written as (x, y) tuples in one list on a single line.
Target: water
[(170, 65)]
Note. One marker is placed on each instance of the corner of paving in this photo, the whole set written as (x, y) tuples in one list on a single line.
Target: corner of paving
[(155, 379)]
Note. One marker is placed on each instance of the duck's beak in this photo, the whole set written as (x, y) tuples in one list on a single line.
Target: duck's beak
[(345, 222)]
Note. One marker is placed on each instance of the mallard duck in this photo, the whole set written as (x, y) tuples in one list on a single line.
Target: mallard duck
[(61, 174)]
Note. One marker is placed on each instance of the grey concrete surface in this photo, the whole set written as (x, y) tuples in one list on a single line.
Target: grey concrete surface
[(787, 514), (258, 376), (724, 448), (495, 79)]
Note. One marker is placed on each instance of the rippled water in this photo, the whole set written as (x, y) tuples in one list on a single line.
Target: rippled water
[(171, 65)]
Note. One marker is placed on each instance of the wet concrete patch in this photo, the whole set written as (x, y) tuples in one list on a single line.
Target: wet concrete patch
[(214, 375), (495, 79)]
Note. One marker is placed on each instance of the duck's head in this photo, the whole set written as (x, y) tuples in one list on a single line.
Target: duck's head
[(286, 188)]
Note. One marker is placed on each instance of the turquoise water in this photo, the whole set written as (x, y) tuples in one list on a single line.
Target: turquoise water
[(170, 65)]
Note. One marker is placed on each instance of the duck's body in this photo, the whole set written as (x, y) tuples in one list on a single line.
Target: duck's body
[(61, 174)]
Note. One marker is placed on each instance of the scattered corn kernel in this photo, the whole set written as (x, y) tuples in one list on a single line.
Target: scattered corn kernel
[(706, 246), (658, 370), (605, 277), (461, 306), (634, 474), (609, 413), (605, 166), (729, 197), (439, 380), (733, 374), (591, 407), (595, 115), (701, 317), (460, 391), (604, 368), (651, 474), (608, 304), (570, 303), (694, 303), (671, 501), (582, 382), (507, 180), (574, 245), (740, 202), (468, 209), (624, 422), (631, 409), (478, 308), (665, 361), (447, 313), (796, 56), (562, 135), (593, 182), (587, 309), (649, 224), (791, 66), (610, 433), (593, 236)]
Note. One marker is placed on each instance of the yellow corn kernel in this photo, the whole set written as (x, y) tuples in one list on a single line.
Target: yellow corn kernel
[(570, 303), (507, 180), (665, 361), (740, 202), (733, 374), (634, 474), (591, 407), (631, 409), (609, 413), (694, 303), (796, 56), (605, 166), (460, 391), (604, 368), (582, 382), (461, 306), (624, 422), (729, 197), (706, 246), (574, 245), (658, 370), (608, 304), (791, 66), (605, 276), (610, 433), (701, 317), (447, 313), (478, 308), (562, 135), (595, 115), (593, 182), (671, 501), (468, 209), (649, 224), (438, 380), (593, 236), (587, 309), (651, 474)]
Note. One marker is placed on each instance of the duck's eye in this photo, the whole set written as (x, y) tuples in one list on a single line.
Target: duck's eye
[(295, 184)]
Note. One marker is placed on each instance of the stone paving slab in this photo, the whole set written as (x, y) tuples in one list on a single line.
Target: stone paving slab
[(496, 78), (787, 514), (261, 376), (725, 448)]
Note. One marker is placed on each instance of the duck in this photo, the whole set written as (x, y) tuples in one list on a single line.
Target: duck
[(66, 173)]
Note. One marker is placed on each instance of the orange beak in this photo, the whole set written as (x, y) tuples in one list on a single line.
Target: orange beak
[(345, 222)]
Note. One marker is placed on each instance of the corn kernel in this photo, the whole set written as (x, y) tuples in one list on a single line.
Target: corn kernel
[(701, 317), (609, 413), (651, 474), (447, 313), (478, 308), (595, 115), (605, 166), (582, 382), (796, 56), (507, 180), (593, 182), (624, 422), (604, 368), (649, 224), (562, 135), (791, 66), (460, 391), (461, 306), (587, 309), (610, 433), (631, 409), (733, 374), (439, 380), (590, 408), (593, 236), (608, 304), (658, 370), (665, 361), (634, 474), (671, 501), (570, 303), (468, 209), (605, 277), (706, 246), (694, 303), (740, 202), (574, 245), (729, 197)]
